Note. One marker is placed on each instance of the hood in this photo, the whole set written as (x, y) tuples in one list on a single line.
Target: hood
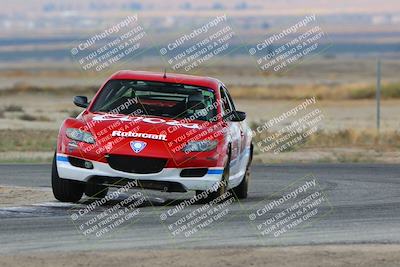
[(144, 135)]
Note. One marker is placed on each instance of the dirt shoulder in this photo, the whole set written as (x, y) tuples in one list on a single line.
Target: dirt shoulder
[(332, 255), (17, 196)]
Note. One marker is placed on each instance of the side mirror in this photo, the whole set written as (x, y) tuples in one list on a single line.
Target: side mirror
[(235, 116), (81, 101)]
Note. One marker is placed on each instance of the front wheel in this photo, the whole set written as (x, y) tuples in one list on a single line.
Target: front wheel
[(65, 190), (221, 189)]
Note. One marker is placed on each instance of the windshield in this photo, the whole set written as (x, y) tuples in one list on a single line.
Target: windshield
[(156, 99)]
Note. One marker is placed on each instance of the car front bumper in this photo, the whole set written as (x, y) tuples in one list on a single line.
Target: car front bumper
[(168, 175)]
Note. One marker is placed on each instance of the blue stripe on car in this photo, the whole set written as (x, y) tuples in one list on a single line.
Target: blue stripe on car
[(215, 171), (62, 158)]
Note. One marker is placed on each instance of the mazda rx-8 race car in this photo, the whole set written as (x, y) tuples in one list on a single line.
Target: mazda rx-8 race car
[(166, 132)]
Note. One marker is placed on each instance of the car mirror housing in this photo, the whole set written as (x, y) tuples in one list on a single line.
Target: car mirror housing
[(81, 101), (235, 116)]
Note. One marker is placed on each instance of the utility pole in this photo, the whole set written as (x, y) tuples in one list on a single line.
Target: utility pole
[(378, 94)]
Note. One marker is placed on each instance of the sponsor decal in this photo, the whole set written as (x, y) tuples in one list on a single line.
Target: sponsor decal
[(161, 137), (145, 119), (137, 146)]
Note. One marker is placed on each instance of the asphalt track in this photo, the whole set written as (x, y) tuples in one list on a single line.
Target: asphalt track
[(361, 205)]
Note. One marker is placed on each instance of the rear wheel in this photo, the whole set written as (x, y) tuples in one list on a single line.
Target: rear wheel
[(96, 190), (65, 190)]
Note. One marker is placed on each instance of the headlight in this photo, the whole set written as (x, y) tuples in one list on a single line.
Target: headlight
[(200, 146), (79, 135)]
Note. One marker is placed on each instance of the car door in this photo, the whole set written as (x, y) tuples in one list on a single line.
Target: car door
[(234, 131), (242, 125)]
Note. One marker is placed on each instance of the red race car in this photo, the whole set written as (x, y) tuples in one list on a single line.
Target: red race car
[(166, 132)]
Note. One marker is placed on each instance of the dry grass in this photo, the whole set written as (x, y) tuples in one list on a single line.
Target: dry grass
[(27, 140), (321, 92), (347, 138), (342, 146), (286, 92), (355, 138), (22, 88)]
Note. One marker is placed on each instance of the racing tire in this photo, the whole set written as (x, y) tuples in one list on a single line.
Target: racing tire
[(240, 191), (65, 190), (222, 188), (96, 190)]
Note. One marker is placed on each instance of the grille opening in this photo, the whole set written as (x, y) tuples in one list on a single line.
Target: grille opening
[(139, 165), (195, 172)]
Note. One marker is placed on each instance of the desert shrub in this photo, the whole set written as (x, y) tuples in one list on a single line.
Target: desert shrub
[(391, 90), (43, 118), (27, 117), (362, 93), (13, 108)]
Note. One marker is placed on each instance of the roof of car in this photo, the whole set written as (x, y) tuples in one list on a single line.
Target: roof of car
[(170, 78)]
